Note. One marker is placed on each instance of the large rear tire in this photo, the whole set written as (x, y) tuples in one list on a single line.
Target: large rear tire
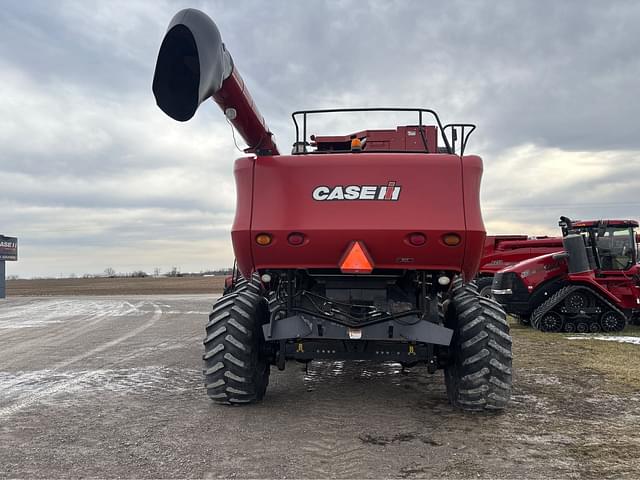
[(235, 368), (253, 285), (478, 377)]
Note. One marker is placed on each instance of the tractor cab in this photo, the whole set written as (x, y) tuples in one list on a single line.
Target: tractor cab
[(611, 244)]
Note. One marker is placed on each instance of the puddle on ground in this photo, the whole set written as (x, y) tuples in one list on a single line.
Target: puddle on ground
[(363, 372)]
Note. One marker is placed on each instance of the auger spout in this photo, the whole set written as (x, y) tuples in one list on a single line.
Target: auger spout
[(193, 65)]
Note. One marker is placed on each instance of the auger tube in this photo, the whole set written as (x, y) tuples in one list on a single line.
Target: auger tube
[(193, 65)]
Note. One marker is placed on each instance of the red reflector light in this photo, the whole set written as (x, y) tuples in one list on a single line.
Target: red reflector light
[(296, 239), (417, 239), (356, 260)]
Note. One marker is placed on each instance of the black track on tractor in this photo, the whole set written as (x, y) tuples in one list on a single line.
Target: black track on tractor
[(579, 309)]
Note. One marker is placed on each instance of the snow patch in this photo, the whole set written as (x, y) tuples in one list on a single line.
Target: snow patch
[(544, 379), (15, 386), (43, 312), (530, 402), (185, 312), (612, 338)]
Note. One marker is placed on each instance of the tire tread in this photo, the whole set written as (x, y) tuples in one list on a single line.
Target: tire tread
[(479, 377), (234, 370)]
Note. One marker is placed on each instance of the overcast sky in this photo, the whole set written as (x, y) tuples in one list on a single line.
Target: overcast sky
[(94, 175)]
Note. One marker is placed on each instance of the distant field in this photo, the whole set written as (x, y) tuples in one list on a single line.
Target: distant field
[(114, 286)]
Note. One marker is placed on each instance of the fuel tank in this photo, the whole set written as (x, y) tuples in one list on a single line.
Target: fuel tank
[(389, 202)]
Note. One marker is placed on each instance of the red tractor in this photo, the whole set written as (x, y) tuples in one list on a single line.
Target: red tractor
[(501, 251), (591, 286), (359, 246)]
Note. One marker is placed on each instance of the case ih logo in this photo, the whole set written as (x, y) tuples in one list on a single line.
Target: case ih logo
[(389, 192), (8, 248)]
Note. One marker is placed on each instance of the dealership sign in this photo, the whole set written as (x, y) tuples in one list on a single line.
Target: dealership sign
[(8, 248)]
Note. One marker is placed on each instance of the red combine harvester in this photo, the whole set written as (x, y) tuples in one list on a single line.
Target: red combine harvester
[(502, 251), (592, 285), (359, 246)]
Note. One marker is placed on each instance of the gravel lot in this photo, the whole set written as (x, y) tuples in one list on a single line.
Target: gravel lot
[(111, 387)]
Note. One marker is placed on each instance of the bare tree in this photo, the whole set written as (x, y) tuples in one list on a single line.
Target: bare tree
[(109, 272)]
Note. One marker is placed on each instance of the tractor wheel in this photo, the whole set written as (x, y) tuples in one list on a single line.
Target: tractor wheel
[(612, 321), (582, 326), (551, 322), (478, 377), (235, 368), (484, 286), (569, 326), (577, 301), (594, 326)]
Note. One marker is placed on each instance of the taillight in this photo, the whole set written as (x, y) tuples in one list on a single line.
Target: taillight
[(417, 239), (451, 239), (263, 239), (296, 239)]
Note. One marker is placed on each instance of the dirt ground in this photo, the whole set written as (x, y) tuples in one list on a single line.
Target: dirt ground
[(114, 286), (111, 387)]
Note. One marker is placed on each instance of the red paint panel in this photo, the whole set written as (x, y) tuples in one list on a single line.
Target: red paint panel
[(241, 229), (406, 139), (471, 177), (248, 121), (538, 270), (620, 285), (430, 202), (611, 223), (502, 251)]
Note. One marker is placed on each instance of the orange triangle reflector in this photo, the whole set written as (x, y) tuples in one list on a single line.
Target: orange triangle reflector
[(357, 259)]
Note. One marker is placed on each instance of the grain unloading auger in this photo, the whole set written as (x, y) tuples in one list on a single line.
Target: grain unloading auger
[(356, 246), (194, 65)]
